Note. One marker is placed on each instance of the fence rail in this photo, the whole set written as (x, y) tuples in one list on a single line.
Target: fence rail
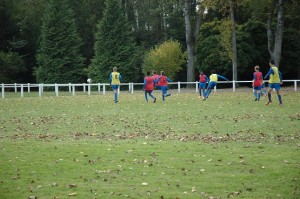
[(87, 87)]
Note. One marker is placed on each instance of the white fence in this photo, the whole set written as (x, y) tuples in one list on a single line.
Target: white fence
[(87, 88)]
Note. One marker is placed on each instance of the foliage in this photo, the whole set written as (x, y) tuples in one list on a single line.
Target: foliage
[(167, 57), (58, 57), (12, 67), (114, 46)]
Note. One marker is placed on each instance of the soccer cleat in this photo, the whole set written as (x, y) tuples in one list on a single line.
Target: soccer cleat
[(154, 100), (268, 102), (256, 99), (116, 101), (204, 98), (280, 104)]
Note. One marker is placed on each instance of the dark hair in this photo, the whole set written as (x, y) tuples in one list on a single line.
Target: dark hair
[(162, 73), (272, 61), (213, 71), (154, 72), (148, 73)]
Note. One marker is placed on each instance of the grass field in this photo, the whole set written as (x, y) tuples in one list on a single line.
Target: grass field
[(88, 147)]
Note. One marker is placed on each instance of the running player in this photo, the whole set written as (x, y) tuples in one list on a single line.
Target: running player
[(163, 81), (274, 82), (149, 86), (213, 81), (155, 77), (115, 81)]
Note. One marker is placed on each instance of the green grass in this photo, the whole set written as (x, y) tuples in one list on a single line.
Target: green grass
[(227, 146)]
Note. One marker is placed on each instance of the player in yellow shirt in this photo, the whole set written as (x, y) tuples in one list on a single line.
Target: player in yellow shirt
[(274, 82), (115, 80), (213, 80)]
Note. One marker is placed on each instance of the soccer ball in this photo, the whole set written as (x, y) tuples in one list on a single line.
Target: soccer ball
[(89, 80)]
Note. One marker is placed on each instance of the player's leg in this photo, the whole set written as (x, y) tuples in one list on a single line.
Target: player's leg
[(151, 95), (277, 88), (269, 94), (146, 97), (254, 93)]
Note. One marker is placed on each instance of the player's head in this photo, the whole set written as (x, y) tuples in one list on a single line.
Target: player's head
[(201, 73), (148, 73), (115, 69), (154, 72), (256, 68), (271, 62), (213, 72), (162, 73)]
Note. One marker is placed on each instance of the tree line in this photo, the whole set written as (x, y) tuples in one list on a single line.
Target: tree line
[(65, 41)]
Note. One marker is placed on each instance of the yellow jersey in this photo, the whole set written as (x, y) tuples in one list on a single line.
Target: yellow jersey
[(115, 78), (274, 78), (213, 78)]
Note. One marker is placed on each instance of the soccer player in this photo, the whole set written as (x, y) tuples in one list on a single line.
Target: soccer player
[(213, 81), (155, 77), (149, 86), (163, 82), (274, 82), (115, 81), (203, 79), (257, 83)]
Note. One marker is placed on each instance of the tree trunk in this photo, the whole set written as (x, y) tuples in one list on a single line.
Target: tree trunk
[(189, 42), (279, 33), (275, 47), (233, 40)]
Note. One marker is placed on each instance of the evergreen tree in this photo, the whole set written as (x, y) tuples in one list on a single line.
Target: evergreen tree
[(114, 46), (58, 57)]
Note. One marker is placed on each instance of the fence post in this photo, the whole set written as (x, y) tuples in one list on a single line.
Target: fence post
[(22, 91), (103, 89), (295, 85), (178, 85), (70, 88), (56, 89), (73, 89), (3, 91), (197, 86), (233, 85), (132, 89), (40, 90), (84, 87), (28, 87), (89, 89), (99, 88), (16, 89)]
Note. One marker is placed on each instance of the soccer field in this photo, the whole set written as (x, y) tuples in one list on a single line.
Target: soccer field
[(90, 147)]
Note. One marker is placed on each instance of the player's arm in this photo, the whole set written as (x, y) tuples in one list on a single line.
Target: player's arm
[(157, 80), (120, 78), (110, 78), (269, 73), (222, 77), (206, 79), (144, 84), (254, 78), (280, 76), (169, 80)]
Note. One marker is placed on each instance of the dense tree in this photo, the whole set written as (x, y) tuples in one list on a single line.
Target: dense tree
[(115, 46), (167, 57), (59, 59)]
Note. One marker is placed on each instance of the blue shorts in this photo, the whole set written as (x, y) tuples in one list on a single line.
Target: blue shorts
[(275, 85), (258, 88), (202, 85), (164, 89), (115, 87), (211, 85)]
